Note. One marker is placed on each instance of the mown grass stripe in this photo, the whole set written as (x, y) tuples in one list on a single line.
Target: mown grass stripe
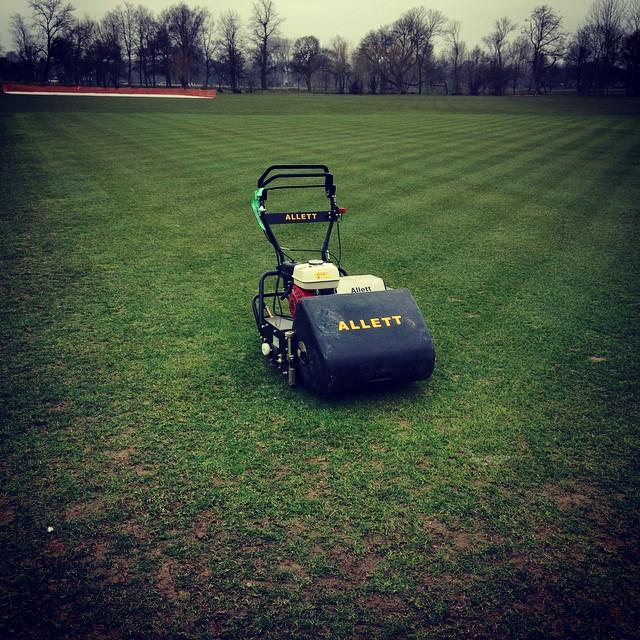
[(140, 420)]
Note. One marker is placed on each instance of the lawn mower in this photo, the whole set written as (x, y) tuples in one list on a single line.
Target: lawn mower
[(320, 326)]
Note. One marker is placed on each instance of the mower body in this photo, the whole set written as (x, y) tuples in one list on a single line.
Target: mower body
[(334, 332)]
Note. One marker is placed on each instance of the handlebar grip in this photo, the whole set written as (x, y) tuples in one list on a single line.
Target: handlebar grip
[(328, 178), (278, 167)]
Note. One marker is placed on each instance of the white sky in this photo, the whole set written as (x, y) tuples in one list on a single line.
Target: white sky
[(351, 19)]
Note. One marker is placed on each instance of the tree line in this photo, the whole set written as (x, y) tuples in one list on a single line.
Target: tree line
[(422, 51)]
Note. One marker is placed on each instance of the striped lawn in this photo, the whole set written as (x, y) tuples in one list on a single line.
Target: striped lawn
[(192, 492)]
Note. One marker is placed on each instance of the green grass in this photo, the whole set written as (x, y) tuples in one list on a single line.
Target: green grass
[(193, 494)]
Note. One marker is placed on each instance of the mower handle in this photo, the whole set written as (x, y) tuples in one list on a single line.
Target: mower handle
[(265, 219), (328, 181), (278, 167)]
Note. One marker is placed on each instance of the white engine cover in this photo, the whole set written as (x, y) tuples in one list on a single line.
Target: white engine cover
[(360, 284), (316, 274)]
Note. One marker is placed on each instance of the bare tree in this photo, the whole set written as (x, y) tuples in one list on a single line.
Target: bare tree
[(631, 48), (325, 69), (496, 45), (425, 26), (230, 42), (401, 53), (208, 45), (109, 50), (51, 18), (164, 43), (81, 37), (475, 68), (632, 16), (281, 58), (605, 20), (373, 52), (264, 25), (339, 62), (518, 55), (579, 58), (25, 45), (184, 25), (146, 45), (306, 58), (457, 50), (359, 72), (440, 76), (543, 28), (127, 17)]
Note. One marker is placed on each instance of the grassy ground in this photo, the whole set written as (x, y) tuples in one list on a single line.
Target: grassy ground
[(193, 494)]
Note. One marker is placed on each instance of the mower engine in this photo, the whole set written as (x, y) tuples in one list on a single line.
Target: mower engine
[(307, 279), (297, 293)]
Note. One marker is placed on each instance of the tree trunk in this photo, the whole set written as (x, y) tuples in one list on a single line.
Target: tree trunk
[(264, 62)]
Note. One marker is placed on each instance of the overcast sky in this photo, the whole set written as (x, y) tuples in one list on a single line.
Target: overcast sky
[(350, 19)]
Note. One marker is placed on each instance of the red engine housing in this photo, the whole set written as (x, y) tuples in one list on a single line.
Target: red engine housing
[(296, 295)]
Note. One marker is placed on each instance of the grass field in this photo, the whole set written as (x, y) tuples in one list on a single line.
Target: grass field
[(193, 494)]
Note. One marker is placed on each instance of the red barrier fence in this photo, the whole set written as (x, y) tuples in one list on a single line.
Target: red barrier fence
[(141, 92)]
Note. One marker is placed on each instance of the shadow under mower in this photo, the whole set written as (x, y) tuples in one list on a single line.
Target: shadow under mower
[(320, 326)]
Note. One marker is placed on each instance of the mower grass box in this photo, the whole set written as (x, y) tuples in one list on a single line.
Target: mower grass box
[(360, 339)]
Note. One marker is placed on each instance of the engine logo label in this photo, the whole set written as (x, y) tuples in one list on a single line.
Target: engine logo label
[(371, 323)]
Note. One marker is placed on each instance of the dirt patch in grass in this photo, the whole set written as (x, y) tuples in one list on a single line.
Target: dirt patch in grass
[(205, 525), (292, 568), (134, 529), (100, 632), (7, 514), (600, 511), (568, 498), (282, 473), (330, 583), (200, 530), (318, 461), (123, 455), (455, 538), (317, 478), (315, 493), (383, 605), (81, 510), (99, 550), (57, 408), (434, 527), (118, 572), (355, 569), (165, 579), (143, 470), (55, 547), (263, 583)]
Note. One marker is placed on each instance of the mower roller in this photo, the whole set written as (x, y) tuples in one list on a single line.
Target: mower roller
[(319, 326)]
